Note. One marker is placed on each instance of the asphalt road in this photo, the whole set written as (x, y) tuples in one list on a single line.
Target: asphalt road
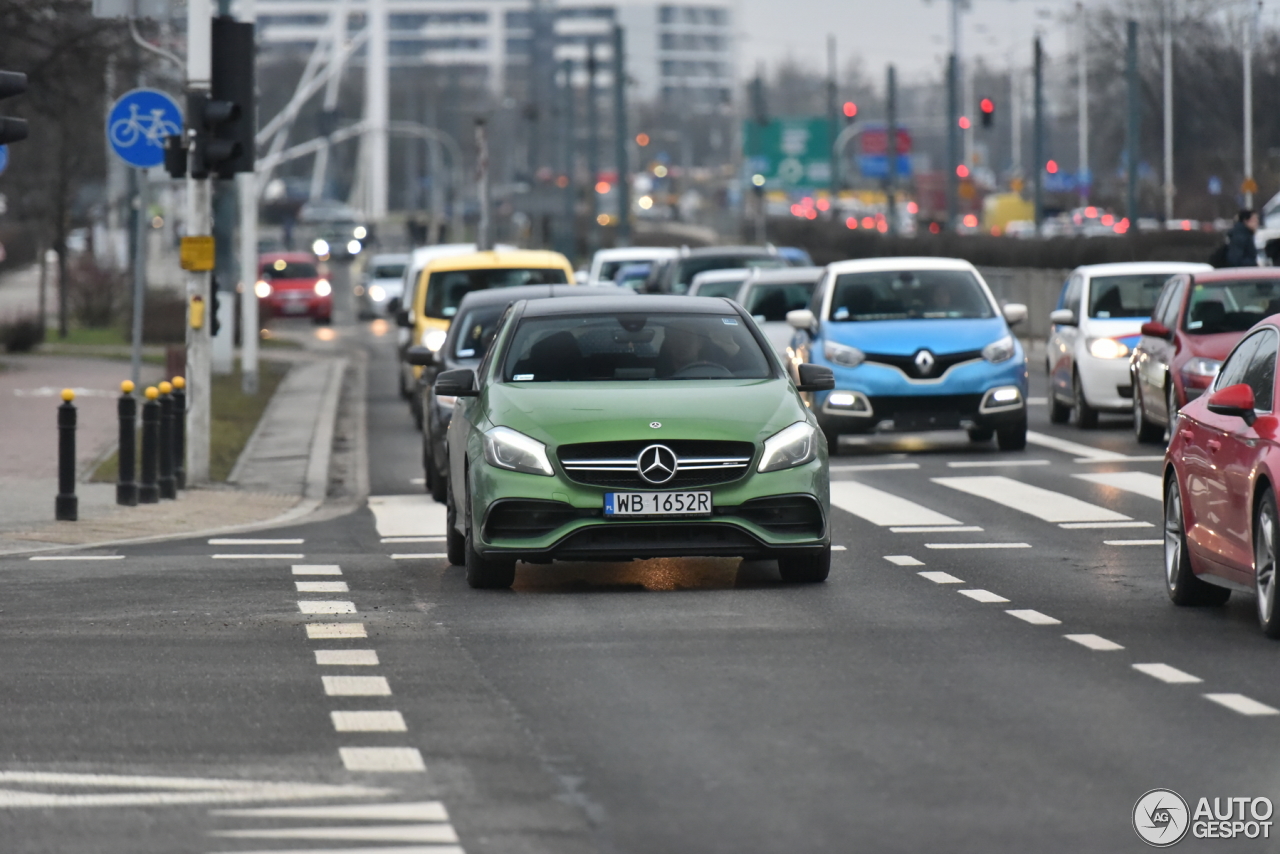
[(928, 697)]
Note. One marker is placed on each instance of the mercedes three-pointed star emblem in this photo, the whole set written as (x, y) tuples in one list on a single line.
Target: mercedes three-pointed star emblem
[(657, 464), (924, 362)]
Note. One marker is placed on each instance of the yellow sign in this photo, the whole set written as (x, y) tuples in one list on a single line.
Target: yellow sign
[(196, 253), (967, 190), (1249, 186), (1016, 185)]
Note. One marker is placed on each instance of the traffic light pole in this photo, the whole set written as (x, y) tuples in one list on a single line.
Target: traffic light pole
[(199, 344)]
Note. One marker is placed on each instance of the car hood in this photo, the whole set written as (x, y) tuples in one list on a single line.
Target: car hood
[(568, 413), (905, 337), (1216, 346), (1109, 327), (292, 284)]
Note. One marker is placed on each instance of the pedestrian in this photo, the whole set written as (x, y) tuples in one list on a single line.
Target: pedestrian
[(1241, 250)]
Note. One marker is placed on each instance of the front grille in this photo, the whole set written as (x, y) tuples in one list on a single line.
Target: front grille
[(926, 411), (699, 463), (782, 514), (522, 519), (942, 362)]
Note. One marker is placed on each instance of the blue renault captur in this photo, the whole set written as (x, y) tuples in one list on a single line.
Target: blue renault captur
[(916, 344)]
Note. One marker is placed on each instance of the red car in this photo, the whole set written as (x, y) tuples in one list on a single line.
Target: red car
[(1221, 474), (1198, 318), (290, 285)]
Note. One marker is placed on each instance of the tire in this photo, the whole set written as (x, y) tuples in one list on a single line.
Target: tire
[(833, 442), (455, 544), (981, 434), (415, 409), (1266, 538), (806, 569), (1171, 404), (1012, 437), (1180, 580), (437, 481), (1084, 415), (1145, 431), (485, 574), (401, 386), (1059, 412)]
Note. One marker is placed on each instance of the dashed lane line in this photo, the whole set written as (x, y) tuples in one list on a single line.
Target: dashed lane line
[(368, 722), (839, 548), (1165, 673), (381, 849), (977, 545), (1084, 526), (317, 569), (356, 686), (1035, 618), (429, 833), (413, 811), (423, 556), (325, 606), (980, 595), (941, 577), (1094, 642), (388, 759), (903, 560), (412, 540), (883, 508), (225, 541), (407, 515), (347, 657), (321, 586), (1044, 504), (878, 467), (76, 557), (259, 557), (1142, 483), (1085, 452), (991, 464), (934, 529), (335, 631), (1242, 704), (1133, 542)]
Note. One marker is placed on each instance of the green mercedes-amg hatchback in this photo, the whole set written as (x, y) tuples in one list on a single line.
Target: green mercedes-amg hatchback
[(648, 427)]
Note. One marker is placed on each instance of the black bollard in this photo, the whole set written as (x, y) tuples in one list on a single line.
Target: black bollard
[(165, 481), (127, 410), (148, 492), (66, 507), (179, 432)]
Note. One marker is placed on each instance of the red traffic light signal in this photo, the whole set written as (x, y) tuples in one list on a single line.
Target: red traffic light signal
[(988, 109), (850, 110)]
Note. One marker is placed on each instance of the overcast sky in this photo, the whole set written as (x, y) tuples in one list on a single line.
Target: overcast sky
[(913, 34)]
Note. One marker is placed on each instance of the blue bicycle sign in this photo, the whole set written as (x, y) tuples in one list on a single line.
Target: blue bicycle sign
[(139, 123)]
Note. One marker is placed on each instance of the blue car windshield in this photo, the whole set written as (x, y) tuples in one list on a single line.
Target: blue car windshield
[(909, 295)]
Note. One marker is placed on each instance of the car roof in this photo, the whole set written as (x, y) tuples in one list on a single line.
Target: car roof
[(390, 258), (638, 252), (639, 304), (787, 276), (504, 296), (873, 265), (705, 251), (500, 259), (1237, 274), (727, 275), (1119, 268)]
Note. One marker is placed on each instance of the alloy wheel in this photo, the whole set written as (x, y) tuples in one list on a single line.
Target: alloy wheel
[(1264, 555), (1172, 532)]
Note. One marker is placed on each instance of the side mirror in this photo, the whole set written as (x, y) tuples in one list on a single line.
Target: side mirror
[(1155, 329), (404, 317), (1234, 400), (459, 383), (393, 306), (420, 356), (1063, 317), (801, 318), (1014, 313), (816, 378)]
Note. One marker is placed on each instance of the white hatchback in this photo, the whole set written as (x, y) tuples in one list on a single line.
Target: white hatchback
[(1094, 329)]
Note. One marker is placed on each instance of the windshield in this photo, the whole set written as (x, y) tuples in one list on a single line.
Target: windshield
[(909, 295), (1125, 296), (446, 289), (1231, 306), (282, 269), (388, 271), (476, 331), (594, 347), (719, 289), (772, 302), (690, 267), (632, 275)]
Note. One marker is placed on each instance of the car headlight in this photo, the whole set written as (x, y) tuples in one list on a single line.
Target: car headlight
[(1107, 348), (841, 354), (376, 293), (433, 339), (320, 246), (504, 448), (323, 288), (262, 289), (354, 247), (793, 446), (999, 351), (1202, 367), (359, 232)]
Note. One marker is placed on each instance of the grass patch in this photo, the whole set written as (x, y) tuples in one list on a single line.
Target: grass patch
[(235, 415), (278, 344), (84, 337)]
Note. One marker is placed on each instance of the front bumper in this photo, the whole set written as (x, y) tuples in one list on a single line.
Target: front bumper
[(309, 305), (564, 520), (1107, 383)]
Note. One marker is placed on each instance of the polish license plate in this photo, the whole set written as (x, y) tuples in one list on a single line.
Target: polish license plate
[(294, 308), (657, 503)]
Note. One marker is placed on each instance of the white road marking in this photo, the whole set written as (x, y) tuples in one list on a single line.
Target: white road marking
[(1165, 673), (415, 811), (435, 832), (839, 548), (224, 541), (934, 529), (1080, 526), (407, 515), (903, 560), (1038, 401), (1242, 704), (1035, 618), (356, 686), (1086, 452), (334, 631), (321, 586), (1139, 482), (382, 759), (259, 557), (941, 577), (163, 791), (1150, 458), (347, 657), (420, 556), (878, 467), (1042, 503), (883, 508), (413, 539), (76, 557), (325, 606), (980, 595), (381, 849), (317, 569), (1133, 542), (368, 722), (991, 464), (977, 545), (1094, 642), (418, 481)]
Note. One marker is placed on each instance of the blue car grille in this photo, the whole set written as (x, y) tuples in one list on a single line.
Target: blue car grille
[(942, 362)]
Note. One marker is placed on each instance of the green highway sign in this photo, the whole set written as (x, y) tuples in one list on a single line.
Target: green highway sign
[(789, 152)]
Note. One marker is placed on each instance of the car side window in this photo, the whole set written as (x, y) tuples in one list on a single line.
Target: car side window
[(1172, 296), (1260, 375), (483, 370), (1233, 370), (1075, 290), (1161, 310)]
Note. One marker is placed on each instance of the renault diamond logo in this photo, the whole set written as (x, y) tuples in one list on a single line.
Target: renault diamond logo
[(657, 464), (924, 362)]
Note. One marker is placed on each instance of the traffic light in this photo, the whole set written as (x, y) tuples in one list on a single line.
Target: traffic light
[(227, 120), (12, 130), (988, 109), (175, 156), (214, 325), (210, 152), (850, 112)]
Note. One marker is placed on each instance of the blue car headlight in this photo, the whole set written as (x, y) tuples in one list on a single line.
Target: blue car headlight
[(841, 354), (999, 351)]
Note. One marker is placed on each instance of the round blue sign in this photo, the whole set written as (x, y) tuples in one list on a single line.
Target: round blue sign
[(139, 123), (4, 158)]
